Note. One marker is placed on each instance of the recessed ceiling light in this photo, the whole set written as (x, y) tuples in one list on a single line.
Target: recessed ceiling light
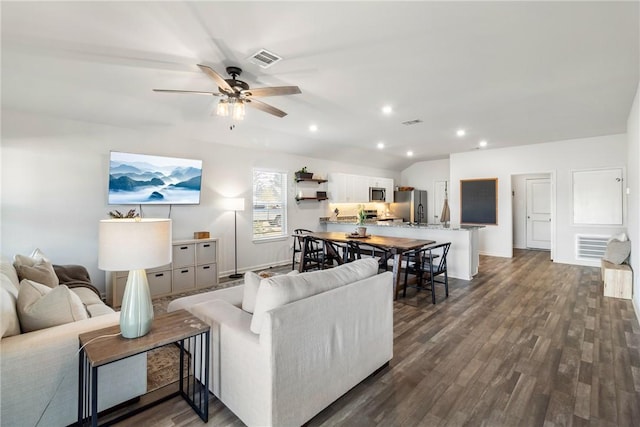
[(409, 153), (483, 143), (313, 128), (461, 132), (380, 145), (387, 109)]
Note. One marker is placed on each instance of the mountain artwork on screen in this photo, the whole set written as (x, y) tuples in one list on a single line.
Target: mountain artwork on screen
[(138, 179)]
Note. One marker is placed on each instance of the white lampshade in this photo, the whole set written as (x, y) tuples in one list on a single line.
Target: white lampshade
[(132, 244), (233, 204)]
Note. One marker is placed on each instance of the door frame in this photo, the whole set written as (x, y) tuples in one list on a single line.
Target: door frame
[(527, 207), (538, 174)]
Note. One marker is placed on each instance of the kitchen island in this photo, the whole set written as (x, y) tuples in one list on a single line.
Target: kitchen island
[(463, 258)]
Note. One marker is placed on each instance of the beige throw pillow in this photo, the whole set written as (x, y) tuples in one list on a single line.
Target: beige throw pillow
[(41, 271), (251, 284), (617, 252), (41, 307)]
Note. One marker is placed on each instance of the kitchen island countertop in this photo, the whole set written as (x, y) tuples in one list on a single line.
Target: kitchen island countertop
[(453, 227), (463, 258)]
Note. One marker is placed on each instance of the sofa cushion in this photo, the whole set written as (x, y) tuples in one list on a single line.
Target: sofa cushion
[(40, 271), (40, 306), (617, 252), (277, 291), (7, 269), (251, 284), (9, 322)]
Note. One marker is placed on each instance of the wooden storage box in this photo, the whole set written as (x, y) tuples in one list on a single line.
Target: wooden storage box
[(618, 280)]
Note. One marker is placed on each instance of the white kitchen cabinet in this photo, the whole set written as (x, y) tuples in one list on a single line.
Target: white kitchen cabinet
[(349, 188), (194, 266)]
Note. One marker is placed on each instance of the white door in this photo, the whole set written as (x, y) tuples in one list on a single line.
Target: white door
[(438, 199), (539, 213)]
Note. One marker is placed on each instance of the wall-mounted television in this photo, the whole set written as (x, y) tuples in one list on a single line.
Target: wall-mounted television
[(142, 179)]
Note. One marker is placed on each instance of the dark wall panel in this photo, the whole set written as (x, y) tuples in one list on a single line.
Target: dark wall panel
[(479, 201)]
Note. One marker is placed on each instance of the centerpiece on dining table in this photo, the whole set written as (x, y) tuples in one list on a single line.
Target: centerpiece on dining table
[(361, 230)]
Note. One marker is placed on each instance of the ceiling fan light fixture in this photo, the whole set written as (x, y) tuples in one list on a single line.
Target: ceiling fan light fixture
[(238, 110), (223, 108)]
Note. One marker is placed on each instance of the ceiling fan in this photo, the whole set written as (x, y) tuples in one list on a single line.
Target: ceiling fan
[(235, 94)]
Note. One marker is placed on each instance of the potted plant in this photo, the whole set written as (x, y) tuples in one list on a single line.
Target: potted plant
[(362, 231), (303, 174)]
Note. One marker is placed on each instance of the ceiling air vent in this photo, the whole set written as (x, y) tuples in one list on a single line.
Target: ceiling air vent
[(412, 122), (264, 58)]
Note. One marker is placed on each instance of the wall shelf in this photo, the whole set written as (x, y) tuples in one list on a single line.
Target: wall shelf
[(319, 181), (299, 199)]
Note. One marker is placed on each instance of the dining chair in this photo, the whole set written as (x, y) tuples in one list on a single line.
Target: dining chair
[(427, 264), (298, 237), (358, 249), (312, 257)]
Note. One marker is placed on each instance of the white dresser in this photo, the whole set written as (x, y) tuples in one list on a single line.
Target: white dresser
[(194, 265)]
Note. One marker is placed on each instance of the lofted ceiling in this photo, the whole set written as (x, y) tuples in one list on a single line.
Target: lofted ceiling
[(511, 73)]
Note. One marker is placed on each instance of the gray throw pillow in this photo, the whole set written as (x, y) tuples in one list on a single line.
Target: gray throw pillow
[(617, 252), (41, 271)]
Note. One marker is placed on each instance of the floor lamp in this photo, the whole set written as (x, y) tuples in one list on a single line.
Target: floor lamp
[(235, 205), (134, 245)]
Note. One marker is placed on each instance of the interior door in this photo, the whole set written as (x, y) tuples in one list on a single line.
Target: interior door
[(539, 213)]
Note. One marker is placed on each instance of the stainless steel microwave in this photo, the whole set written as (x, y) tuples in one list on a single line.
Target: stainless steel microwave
[(377, 194)]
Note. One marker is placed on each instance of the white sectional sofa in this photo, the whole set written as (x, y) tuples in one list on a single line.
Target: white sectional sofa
[(39, 369), (309, 339)]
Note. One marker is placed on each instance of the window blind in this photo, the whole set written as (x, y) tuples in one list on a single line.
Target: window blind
[(269, 204)]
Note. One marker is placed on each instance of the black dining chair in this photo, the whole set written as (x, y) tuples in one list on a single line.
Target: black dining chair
[(357, 249), (298, 237), (312, 257), (427, 264)]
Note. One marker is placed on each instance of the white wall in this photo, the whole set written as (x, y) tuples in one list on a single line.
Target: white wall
[(633, 183), (423, 176), (556, 158), (54, 181)]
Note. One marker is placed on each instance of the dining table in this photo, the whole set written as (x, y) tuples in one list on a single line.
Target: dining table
[(396, 245)]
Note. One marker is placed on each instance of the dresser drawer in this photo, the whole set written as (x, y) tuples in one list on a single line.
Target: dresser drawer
[(205, 253), (183, 279), (206, 275), (159, 282), (184, 255)]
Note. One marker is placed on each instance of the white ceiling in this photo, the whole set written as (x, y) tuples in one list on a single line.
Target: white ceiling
[(509, 72)]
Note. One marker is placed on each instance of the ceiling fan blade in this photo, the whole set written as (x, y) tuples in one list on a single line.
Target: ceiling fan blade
[(259, 105), (221, 82), (272, 91), (197, 92)]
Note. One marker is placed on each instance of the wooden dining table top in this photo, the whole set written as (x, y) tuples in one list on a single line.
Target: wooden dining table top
[(399, 244)]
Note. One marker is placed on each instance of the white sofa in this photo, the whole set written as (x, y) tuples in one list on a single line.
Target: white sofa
[(39, 369), (317, 335)]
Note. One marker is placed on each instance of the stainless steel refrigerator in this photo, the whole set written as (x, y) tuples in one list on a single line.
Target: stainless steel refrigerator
[(410, 205)]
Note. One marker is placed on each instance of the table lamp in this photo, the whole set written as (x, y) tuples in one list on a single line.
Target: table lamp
[(235, 205), (134, 245)]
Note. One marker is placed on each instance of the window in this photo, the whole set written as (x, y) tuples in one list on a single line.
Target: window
[(269, 204)]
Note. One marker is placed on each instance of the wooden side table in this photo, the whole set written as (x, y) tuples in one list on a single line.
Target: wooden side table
[(102, 346)]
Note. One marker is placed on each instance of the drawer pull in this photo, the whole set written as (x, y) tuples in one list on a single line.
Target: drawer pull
[(206, 267), (184, 247), (184, 271), (159, 274), (207, 245)]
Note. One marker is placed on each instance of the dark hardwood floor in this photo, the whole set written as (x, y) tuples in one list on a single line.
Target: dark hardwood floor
[(526, 343)]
